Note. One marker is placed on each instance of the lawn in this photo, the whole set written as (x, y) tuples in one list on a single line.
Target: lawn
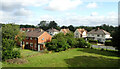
[(77, 57)]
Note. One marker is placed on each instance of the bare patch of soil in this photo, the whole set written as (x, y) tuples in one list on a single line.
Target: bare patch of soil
[(17, 61)]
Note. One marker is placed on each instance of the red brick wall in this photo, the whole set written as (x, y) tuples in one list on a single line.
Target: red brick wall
[(31, 41), (45, 36)]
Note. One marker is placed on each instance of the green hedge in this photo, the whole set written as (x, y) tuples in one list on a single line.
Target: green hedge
[(93, 41), (108, 43)]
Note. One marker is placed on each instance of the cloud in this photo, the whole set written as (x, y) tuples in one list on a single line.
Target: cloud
[(62, 5), (92, 5), (11, 5), (94, 14), (23, 12)]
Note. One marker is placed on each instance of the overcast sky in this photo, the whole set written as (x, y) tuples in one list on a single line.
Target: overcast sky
[(64, 12)]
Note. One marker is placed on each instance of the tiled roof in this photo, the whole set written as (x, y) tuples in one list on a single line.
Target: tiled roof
[(34, 33), (52, 30), (98, 31), (81, 30), (65, 31)]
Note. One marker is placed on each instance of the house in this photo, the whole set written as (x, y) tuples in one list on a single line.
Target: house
[(36, 40), (80, 33), (65, 31), (52, 31), (29, 29), (26, 29), (99, 34)]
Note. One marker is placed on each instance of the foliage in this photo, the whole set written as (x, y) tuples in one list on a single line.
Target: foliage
[(7, 49), (57, 45), (108, 43), (27, 26), (116, 39), (9, 32), (81, 43), (93, 41), (45, 25)]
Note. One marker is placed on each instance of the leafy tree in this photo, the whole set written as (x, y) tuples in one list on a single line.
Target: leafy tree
[(52, 24), (9, 32), (82, 43), (116, 39), (71, 28)]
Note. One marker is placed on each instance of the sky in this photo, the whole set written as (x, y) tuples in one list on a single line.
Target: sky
[(64, 12)]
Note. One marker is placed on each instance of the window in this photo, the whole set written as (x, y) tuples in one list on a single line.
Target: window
[(27, 38), (76, 33), (31, 38), (31, 44), (35, 45), (92, 34), (98, 35), (42, 38), (35, 38), (26, 43), (23, 42)]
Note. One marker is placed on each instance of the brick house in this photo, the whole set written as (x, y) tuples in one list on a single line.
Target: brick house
[(36, 40)]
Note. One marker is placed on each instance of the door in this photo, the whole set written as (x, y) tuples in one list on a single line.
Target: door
[(38, 47)]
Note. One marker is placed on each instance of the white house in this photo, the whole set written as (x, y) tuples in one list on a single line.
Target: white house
[(80, 33), (52, 31), (99, 34)]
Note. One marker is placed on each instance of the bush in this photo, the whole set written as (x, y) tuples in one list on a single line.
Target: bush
[(102, 49), (81, 43), (58, 45), (7, 49), (108, 43), (93, 41)]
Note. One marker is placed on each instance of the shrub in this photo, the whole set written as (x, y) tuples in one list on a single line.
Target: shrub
[(58, 45), (108, 43), (93, 41), (102, 49), (7, 49), (81, 43)]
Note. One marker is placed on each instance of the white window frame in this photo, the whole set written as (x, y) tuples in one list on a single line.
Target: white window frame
[(27, 43), (30, 38), (35, 45), (31, 45)]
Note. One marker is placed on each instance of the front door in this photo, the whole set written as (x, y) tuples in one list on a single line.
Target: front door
[(38, 47)]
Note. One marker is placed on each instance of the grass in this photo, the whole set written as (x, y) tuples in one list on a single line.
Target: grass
[(0, 65), (78, 57)]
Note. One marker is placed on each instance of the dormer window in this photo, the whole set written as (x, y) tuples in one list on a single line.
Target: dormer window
[(42, 38)]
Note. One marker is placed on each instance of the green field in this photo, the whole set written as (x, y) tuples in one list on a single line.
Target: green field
[(77, 57)]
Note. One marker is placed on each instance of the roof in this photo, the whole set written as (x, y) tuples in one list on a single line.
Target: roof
[(65, 31), (34, 33), (99, 31), (81, 30), (52, 30)]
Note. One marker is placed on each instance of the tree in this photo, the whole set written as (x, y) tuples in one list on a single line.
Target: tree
[(9, 32), (52, 24), (71, 28), (116, 39), (43, 24)]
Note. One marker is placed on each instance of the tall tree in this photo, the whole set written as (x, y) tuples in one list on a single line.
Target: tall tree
[(52, 24), (116, 39), (9, 32), (71, 28)]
